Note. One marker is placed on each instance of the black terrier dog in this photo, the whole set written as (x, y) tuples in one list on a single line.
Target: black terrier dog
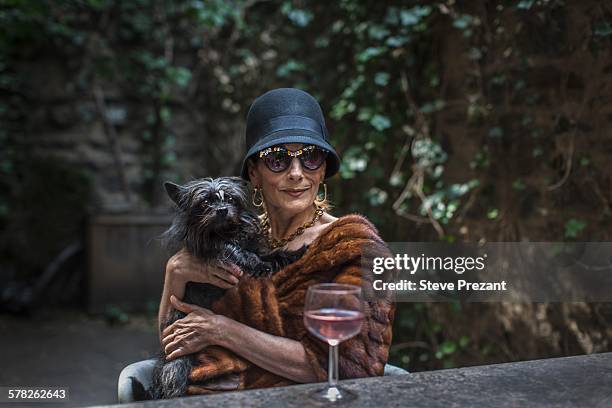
[(214, 223)]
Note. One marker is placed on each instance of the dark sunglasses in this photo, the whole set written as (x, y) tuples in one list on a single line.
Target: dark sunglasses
[(278, 158)]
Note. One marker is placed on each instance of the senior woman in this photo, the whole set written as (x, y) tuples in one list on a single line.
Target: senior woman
[(254, 336)]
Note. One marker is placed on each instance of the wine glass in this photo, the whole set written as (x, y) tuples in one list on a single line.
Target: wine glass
[(333, 312)]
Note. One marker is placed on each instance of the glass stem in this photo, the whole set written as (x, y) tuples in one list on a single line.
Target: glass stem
[(332, 373)]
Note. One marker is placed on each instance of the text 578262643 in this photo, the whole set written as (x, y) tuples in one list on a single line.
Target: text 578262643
[(39, 394)]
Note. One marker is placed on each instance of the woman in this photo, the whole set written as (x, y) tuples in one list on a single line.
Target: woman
[(288, 157)]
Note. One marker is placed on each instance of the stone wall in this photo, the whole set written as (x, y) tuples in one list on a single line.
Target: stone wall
[(67, 126)]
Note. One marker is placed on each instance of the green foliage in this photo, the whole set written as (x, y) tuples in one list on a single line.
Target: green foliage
[(525, 4), (574, 227), (603, 29), (133, 47), (496, 132), (518, 185), (436, 350), (354, 161), (444, 202), (152, 309), (492, 213), (115, 315), (299, 17), (481, 159)]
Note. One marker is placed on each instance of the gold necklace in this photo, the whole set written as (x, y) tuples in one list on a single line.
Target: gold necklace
[(277, 243)]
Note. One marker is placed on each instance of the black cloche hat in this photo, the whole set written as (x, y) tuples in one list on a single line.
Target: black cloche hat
[(287, 115)]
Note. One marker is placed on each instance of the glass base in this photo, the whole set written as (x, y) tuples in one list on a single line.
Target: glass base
[(333, 394)]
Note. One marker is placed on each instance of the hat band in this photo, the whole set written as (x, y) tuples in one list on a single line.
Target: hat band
[(287, 122)]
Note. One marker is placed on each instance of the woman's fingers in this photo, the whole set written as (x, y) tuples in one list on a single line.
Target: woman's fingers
[(175, 343), (226, 276), (179, 352), (219, 282), (230, 268), (228, 272), (174, 328), (234, 270), (169, 344), (175, 350), (170, 338), (183, 346)]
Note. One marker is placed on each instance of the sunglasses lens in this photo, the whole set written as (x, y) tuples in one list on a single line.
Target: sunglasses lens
[(277, 161), (313, 159)]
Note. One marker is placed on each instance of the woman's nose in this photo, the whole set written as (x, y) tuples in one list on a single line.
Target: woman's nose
[(295, 169)]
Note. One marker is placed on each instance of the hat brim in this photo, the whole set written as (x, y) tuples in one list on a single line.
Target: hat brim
[(294, 136)]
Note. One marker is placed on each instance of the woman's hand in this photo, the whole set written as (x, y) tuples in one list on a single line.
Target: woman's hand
[(200, 328), (190, 268), (183, 267)]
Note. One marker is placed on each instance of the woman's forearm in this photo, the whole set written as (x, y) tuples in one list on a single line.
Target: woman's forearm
[(279, 355), (173, 285)]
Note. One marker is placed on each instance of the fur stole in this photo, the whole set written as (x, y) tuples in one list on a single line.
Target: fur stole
[(275, 305)]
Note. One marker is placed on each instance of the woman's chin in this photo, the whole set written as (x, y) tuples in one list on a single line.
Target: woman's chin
[(297, 206)]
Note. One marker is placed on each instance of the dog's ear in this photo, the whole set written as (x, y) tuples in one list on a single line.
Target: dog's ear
[(174, 191)]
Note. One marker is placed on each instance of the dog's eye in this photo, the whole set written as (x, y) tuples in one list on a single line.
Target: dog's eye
[(206, 201), (230, 199)]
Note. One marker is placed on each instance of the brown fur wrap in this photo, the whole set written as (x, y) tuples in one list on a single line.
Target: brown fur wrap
[(275, 305)]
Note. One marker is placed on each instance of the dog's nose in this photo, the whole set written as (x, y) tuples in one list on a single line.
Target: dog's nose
[(222, 212)]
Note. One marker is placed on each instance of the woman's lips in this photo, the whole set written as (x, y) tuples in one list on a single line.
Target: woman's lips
[(295, 193)]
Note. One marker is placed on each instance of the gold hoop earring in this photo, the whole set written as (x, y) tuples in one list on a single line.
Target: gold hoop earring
[(324, 192), (255, 191)]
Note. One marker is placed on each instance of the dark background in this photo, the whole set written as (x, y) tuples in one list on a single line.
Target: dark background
[(456, 121)]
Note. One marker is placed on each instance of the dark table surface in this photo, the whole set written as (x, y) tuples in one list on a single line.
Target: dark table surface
[(580, 381)]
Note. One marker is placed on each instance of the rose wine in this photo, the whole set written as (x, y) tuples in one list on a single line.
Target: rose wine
[(333, 324)]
